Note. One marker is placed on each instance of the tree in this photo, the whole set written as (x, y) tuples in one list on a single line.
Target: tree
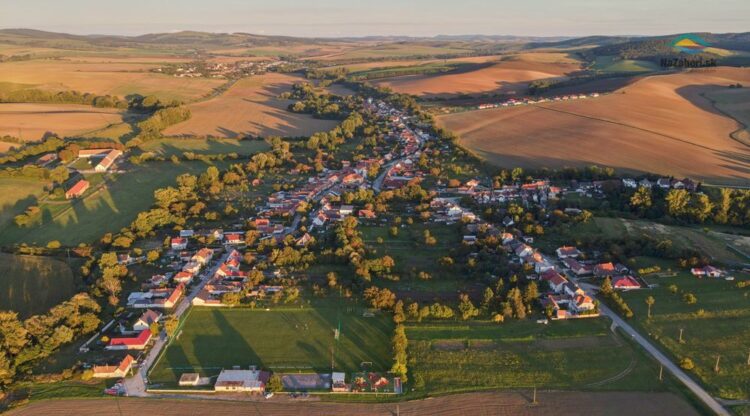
[(641, 198), (650, 302), (274, 384), (171, 324), (332, 281), (690, 298), (687, 364), (231, 298), (59, 174), (467, 309)]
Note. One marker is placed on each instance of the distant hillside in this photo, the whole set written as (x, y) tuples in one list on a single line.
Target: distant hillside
[(655, 48)]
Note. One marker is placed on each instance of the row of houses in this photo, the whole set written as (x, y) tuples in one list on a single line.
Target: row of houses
[(565, 298), (228, 278), (663, 183), (622, 279), (512, 102)]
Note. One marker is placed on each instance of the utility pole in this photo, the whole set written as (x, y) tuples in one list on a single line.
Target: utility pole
[(716, 367), (681, 341), (748, 358), (661, 372), (533, 400)]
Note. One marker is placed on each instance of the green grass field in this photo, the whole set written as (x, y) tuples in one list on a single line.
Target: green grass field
[(584, 354), (711, 243), (169, 147), (107, 210), (16, 194), (280, 340), (33, 284), (718, 324)]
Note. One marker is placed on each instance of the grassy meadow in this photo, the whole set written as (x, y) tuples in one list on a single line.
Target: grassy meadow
[(112, 206), (290, 339), (169, 147), (33, 284), (452, 357), (718, 324)]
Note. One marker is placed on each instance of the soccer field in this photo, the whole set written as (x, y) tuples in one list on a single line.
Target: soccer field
[(289, 340)]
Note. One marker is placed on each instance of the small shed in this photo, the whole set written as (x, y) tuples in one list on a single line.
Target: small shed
[(189, 379)]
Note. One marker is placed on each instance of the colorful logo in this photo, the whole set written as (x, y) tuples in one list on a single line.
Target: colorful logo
[(690, 44)]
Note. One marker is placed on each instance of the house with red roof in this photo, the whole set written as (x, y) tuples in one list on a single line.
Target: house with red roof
[(179, 243), (114, 371), (77, 190), (604, 269), (625, 283), (565, 252), (233, 238), (709, 271), (555, 280), (137, 342)]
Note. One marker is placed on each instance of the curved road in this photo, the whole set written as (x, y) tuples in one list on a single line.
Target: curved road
[(694, 387)]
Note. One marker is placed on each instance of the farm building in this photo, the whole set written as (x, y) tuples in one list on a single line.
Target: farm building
[(108, 160), (250, 381), (189, 379), (112, 371), (77, 190)]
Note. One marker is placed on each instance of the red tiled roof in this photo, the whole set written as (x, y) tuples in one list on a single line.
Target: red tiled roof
[(142, 338), (77, 189)]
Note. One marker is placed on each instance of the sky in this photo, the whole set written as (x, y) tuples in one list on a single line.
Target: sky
[(332, 18)]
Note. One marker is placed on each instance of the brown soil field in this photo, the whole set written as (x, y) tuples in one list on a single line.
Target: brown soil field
[(117, 78), (505, 77), (251, 106), (661, 124), (490, 403), (31, 121)]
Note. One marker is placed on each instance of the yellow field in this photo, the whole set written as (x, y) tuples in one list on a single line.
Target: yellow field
[(31, 121), (115, 77), (660, 124), (251, 106)]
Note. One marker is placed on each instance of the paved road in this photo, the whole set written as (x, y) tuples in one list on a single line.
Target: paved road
[(136, 385), (699, 392)]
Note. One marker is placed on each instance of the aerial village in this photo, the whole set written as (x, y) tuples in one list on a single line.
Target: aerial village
[(212, 275)]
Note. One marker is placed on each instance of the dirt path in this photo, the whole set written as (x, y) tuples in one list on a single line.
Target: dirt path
[(490, 403)]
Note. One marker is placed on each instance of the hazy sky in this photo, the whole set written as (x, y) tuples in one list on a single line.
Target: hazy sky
[(380, 17)]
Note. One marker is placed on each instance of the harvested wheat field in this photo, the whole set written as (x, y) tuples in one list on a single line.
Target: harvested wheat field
[(250, 107), (509, 76), (505, 403), (119, 78), (661, 124), (31, 121)]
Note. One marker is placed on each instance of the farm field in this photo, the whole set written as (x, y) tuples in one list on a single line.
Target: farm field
[(488, 403), (105, 210), (584, 354), (659, 124), (736, 103), (510, 76), (293, 339), (611, 64), (391, 51), (16, 194), (256, 110), (169, 147), (113, 78), (33, 284), (717, 324), (31, 121)]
